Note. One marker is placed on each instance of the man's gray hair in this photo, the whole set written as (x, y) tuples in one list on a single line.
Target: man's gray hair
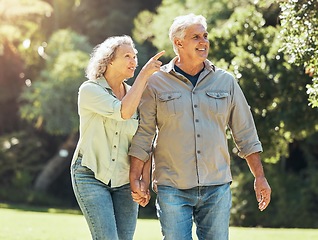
[(104, 53), (181, 23)]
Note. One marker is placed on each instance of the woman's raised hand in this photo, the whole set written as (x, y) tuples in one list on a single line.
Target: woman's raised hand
[(153, 64)]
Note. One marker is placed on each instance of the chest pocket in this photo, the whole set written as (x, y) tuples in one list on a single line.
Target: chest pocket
[(218, 101), (169, 103)]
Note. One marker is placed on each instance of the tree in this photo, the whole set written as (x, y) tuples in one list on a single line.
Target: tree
[(50, 102), (299, 20), (249, 48), (215, 11), (100, 19), (18, 37)]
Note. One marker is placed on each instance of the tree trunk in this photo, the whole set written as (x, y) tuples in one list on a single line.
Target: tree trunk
[(56, 165)]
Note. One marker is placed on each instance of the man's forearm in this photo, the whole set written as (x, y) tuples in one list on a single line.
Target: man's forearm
[(136, 168), (139, 177), (255, 164), (146, 171)]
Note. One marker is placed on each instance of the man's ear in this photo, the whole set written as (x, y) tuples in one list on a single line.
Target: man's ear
[(178, 42)]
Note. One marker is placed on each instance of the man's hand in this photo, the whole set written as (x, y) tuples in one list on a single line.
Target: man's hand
[(142, 194), (263, 192), (261, 186), (139, 181)]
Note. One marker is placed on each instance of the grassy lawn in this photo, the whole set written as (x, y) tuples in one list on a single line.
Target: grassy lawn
[(52, 224)]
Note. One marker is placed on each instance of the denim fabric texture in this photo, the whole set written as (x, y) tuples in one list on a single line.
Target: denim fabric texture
[(208, 207), (111, 213)]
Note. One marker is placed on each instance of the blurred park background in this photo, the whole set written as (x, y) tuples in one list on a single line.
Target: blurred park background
[(270, 46)]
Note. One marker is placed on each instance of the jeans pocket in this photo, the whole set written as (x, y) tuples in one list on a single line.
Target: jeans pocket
[(77, 167)]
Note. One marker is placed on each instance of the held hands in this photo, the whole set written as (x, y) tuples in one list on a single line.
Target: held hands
[(263, 192), (140, 192), (153, 64), (139, 177)]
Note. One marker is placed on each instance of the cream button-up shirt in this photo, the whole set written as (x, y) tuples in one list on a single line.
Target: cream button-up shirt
[(190, 123), (104, 136)]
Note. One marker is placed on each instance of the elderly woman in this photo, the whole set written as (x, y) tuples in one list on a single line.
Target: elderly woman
[(108, 120)]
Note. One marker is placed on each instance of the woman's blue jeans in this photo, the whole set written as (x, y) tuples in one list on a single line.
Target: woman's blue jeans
[(208, 206), (111, 213)]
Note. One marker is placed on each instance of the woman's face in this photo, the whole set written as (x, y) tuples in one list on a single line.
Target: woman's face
[(125, 62)]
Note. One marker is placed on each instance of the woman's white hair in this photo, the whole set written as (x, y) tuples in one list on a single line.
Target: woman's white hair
[(181, 23), (104, 53)]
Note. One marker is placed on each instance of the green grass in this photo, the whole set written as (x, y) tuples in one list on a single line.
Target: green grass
[(53, 224)]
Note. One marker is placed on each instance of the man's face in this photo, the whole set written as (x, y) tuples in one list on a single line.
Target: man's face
[(195, 44)]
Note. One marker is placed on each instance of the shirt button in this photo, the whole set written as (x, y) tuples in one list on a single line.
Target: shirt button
[(196, 120), (114, 146), (195, 105), (198, 135), (113, 160), (116, 133), (198, 151)]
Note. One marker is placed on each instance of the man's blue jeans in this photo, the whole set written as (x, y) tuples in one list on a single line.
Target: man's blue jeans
[(110, 212), (209, 207)]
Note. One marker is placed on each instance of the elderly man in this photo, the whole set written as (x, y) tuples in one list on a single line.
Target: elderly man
[(187, 106)]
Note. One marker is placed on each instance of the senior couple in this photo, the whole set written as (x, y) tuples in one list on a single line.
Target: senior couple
[(184, 108)]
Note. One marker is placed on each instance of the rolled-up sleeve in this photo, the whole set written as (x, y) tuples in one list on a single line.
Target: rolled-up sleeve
[(94, 98), (242, 125), (142, 141)]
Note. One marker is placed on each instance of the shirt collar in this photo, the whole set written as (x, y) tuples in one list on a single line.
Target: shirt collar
[(101, 81), (170, 66)]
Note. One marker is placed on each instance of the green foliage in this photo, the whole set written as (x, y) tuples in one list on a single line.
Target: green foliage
[(275, 90), (21, 156), (293, 194), (292, 204), (50, 102), (65, 40), (19, 37), (18, 17), (250, 50), (215, 11), (101, 19), (299, 20), (20, 24)]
